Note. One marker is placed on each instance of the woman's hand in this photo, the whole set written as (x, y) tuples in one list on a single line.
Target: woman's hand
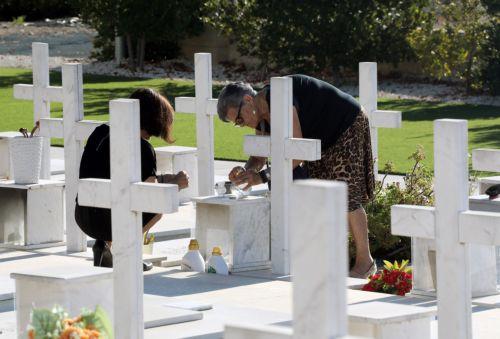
[(181, 179)]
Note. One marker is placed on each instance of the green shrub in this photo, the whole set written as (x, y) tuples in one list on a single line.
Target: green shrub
[(490, 74), (453, 44), (156, 24), (320, 35), (417, 190)]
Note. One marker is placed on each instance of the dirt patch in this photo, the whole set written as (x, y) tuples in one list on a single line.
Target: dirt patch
[(66, 37)]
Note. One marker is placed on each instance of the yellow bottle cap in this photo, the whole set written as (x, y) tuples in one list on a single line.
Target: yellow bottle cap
[(216, 251), (193, 245)]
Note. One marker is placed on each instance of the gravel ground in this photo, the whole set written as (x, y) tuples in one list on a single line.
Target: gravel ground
[(71, 41)]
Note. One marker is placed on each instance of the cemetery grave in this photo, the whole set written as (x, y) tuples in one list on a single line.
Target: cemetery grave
[(306, 294)]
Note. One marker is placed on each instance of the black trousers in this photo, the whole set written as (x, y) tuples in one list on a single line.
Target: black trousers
[(96, 222)]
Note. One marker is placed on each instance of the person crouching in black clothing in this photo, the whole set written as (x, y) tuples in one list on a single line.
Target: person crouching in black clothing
[(156, 119)]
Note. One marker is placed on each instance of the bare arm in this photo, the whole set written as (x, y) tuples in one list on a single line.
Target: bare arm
[(157, 217)]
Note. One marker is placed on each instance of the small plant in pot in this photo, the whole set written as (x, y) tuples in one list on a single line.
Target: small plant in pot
[(26, 156)]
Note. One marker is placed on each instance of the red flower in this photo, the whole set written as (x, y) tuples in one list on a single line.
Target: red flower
[(368, 288), (394, 278)]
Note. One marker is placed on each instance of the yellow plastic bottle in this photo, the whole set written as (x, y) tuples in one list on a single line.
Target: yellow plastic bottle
[(216, 263), (192, 260)]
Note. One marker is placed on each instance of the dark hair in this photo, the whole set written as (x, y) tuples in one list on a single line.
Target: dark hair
[(157, 114), (231, 96)]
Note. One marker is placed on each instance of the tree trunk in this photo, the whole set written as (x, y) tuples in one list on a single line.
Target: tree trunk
[(141, 50), (130, 48)]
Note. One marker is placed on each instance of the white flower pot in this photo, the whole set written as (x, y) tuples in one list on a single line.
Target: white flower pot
[(26, 158)]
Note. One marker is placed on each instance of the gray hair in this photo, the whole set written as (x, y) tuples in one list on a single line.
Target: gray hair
[(231, 96)]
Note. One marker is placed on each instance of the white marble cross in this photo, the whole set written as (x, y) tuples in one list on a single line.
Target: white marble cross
[(205, 108), (486, 160), (318, 239), (368, 99), (282, 148), (42, 94), (452, 225), (127, 197), (75, 132)]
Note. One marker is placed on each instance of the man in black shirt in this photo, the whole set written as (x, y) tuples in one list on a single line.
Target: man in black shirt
[(156, 118), (320, 111)]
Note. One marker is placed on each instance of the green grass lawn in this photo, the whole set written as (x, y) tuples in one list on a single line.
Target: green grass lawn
[(394, 144)]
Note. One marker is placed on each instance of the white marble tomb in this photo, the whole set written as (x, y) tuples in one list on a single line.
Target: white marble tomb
[(241, 228), (31, 215)]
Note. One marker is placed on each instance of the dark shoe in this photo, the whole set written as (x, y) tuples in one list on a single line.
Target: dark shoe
[(102, 254), (146, 266)]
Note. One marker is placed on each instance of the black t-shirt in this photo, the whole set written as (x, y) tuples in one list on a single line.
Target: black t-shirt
[(96, 156), (324, 111)]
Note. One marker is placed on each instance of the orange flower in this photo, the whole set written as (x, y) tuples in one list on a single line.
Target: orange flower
[(69, 331)]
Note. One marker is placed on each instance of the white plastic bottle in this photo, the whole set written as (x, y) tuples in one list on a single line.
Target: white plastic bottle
[(192, 260), (216, 263)]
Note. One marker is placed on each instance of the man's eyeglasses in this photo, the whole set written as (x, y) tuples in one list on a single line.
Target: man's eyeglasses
[(238, 121)]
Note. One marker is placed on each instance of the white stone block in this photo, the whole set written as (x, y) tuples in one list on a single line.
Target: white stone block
[(483, 203), (416, 220), (381, 320), (172, 159), (257, 332), (5, 163), (486, 160), (487, 182), (240, 227), (71, 287), (413, 221), (319, 236), (32, 214), (482, 261)]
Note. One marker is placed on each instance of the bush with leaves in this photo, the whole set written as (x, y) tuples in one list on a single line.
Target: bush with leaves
[(320, 35), (453, 44), (417, 190), (154, 24), (491, 71)]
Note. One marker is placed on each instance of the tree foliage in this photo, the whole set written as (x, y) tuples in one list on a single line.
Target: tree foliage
[(155, 22), (454, 45), (304, 36), (490, 73)]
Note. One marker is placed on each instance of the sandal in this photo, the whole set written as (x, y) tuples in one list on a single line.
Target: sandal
[(370, 271)]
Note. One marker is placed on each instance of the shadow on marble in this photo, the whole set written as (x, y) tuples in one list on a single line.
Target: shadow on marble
[(167, 283)]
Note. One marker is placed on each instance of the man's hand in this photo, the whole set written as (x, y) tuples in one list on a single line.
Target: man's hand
[(235, 173), (240, 176)]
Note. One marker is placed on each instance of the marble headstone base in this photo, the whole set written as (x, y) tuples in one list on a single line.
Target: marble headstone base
[(482, 266), (31, 216), (241, 228), (483, 203)]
